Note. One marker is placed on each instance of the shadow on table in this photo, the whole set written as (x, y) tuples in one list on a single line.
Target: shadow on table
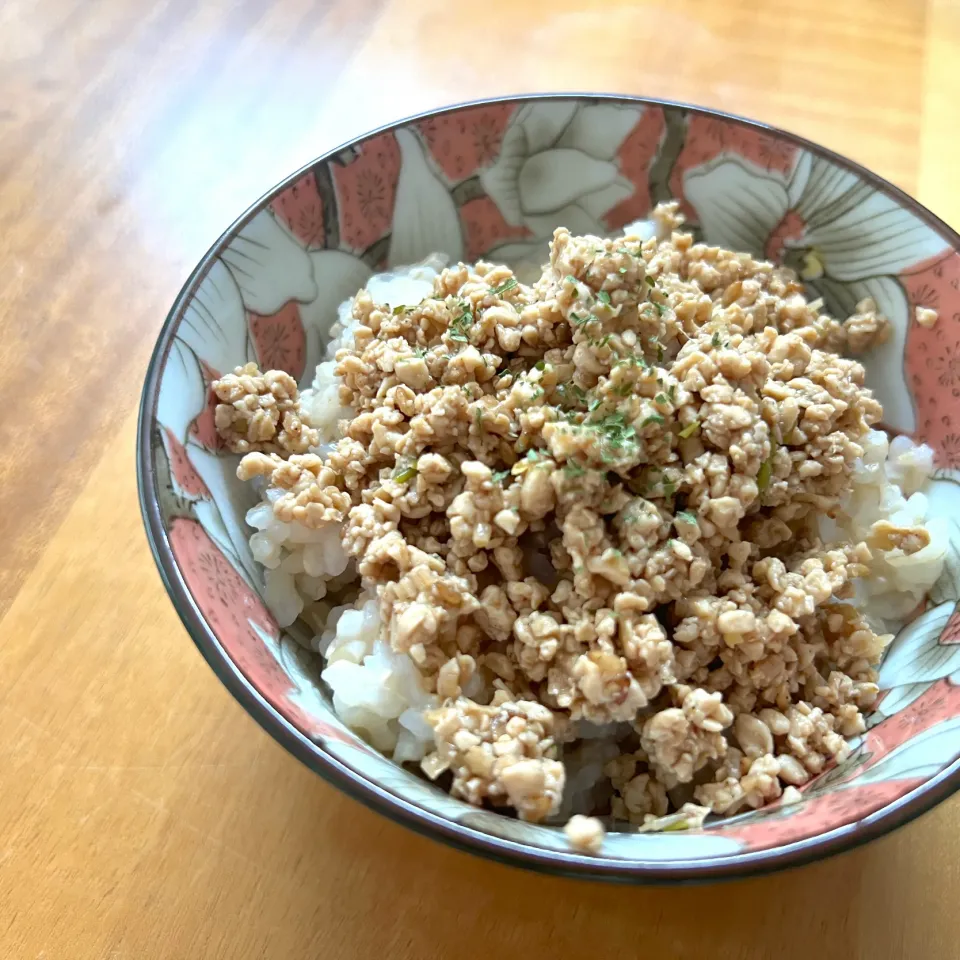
[(400, 895)]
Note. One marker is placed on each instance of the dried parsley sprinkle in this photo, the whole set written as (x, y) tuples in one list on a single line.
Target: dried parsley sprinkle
[(671, 392), (624, 250), (715, 340), (604, 297), (615, 434), (686, 517), (505, 286), (539, 365), (622, 270), (532, 455), (500, 475), (573, 469), (690, 429), (400, 309), (404, 475), (660, 398), (570, 279), (478, 413), (653, 418), (669, 488), (462, 323)]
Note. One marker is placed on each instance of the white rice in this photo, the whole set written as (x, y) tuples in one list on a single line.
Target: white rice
[(888, 484), (376, 692), (380, 693), (403, 286)]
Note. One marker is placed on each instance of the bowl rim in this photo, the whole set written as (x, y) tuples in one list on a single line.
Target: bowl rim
[(355, 784)]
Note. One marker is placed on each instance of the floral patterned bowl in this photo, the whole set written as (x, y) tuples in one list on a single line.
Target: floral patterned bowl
[(492, 180)]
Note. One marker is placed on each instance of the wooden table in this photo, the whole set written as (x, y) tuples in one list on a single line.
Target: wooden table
[(142, 813)]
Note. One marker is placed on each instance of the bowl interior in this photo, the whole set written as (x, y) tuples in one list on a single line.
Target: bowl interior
[(491, 181)]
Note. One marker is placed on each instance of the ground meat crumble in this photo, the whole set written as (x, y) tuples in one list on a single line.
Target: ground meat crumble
[(594, 499)]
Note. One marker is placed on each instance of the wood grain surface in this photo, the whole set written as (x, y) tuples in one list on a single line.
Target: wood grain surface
[(143, 814)]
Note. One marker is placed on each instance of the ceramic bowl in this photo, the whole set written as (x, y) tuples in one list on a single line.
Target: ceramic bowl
[(492, 180)]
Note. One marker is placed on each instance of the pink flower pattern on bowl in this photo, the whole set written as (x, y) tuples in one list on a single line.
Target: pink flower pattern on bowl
[(491, 181)]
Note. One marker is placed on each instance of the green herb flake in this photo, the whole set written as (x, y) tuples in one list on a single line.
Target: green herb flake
[(651, 280), (672, 392), (766, 468), (570, 279), (533, 455), (689, 430), (624, 251), (539, 365), (715, 340), (622, 270), (573, 469), (505, 286), (405, 475), (674, 827), (400, 309), (763, 477), (653, 418), (604, 297), (500, 475), (685, 517), (669, 488), (461, 323), (660, 398), (615, 435), (478, 414)]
